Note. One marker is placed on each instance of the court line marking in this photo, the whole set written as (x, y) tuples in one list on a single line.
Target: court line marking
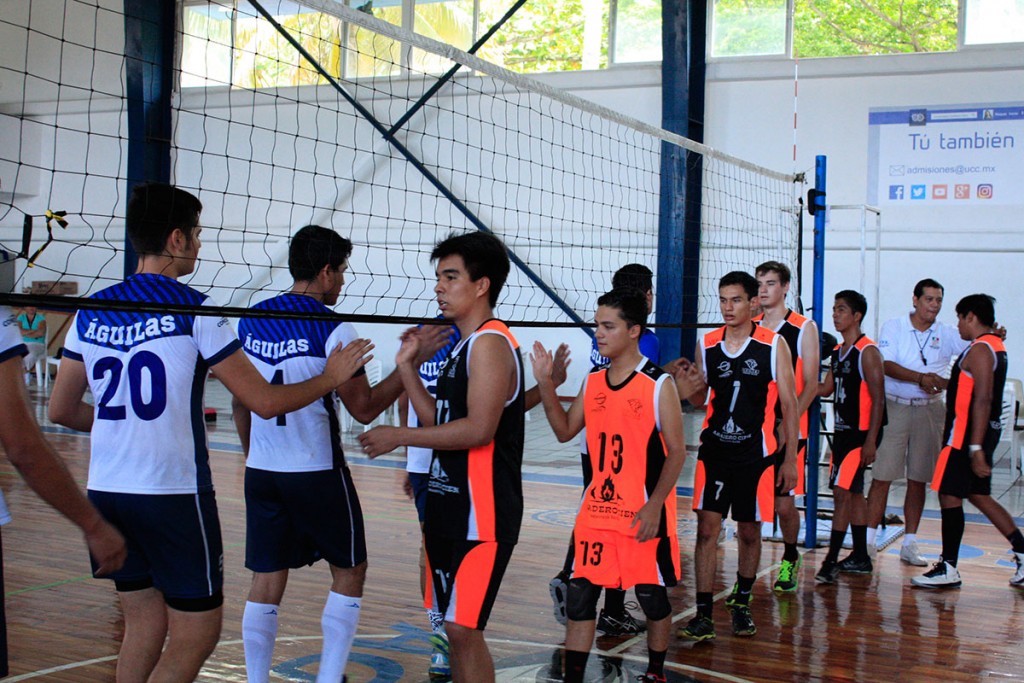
[(379, 636)]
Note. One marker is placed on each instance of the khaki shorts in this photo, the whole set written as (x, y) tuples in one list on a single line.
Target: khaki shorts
[(910, 442)]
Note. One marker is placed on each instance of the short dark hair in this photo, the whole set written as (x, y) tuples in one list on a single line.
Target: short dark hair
[(635, 275), (927, 282), (981, 305), (314, 247), (855, 300), (631, 304), (740, 277), (484, 255), (155, 210), (775, 267)]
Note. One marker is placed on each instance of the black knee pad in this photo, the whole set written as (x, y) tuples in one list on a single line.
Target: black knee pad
[(581, 602), (653, 601)]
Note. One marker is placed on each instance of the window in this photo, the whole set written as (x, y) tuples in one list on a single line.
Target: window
[(227, 42), (743, 28), (637, 31), (836, 28), (206, 45), (993, 21)]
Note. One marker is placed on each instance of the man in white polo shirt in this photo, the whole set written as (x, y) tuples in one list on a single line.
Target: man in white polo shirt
[(917, 350)]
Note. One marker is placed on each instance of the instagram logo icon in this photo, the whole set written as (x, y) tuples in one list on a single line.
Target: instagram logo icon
[(985, 191)]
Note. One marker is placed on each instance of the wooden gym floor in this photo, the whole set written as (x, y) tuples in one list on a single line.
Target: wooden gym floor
[(65, 626)]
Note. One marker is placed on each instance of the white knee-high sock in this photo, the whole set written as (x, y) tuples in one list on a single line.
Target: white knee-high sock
[(339, 622), (259, 631)]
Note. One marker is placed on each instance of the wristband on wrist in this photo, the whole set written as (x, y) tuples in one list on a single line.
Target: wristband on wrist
[(974, 448)]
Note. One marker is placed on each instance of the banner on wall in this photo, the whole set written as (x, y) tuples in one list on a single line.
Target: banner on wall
[(946, 155)]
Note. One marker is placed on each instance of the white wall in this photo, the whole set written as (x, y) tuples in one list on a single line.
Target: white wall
[(750, 114)]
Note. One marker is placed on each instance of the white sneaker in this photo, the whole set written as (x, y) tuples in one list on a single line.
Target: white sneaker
[(941, 575), (1018, 577), (910, 554)]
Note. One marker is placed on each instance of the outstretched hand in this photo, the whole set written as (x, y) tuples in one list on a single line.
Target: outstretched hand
[(432, 338), (380, 440), (689, 380), (543, 363), (560, 365), (345, 362)]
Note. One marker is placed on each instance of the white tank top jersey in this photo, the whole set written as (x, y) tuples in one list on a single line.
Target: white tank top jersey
[(147, 373), (11, 346), (418, 459), (288, 352)]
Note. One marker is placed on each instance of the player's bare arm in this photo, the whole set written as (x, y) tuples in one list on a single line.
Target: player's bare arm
[(786, 384), (45, 472), (365, 403), (559, 372), (492, 382), (827, 385), (810, 351), (564, 423), (874, 374), (671, 418), (980, 364), (405, 361), (66, 405), (270, 400), (242, 419)]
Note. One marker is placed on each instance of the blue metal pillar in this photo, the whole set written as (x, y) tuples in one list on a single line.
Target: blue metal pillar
[(682, 112), (149, 76), (816, 204)]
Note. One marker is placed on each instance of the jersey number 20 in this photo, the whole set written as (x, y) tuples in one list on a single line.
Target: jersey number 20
[(145, 408)]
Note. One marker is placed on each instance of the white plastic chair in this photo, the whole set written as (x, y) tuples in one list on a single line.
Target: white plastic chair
[(374, 375), (51, 361), (1013, 429)]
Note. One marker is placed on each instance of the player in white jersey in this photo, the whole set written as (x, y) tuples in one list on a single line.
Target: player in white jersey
[(37, 462), (301, 504), (149, 473)]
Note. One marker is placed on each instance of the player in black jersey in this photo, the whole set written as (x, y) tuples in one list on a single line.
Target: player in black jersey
[(857, 378), (964, 470), (801, 335), (475, 428), (741, 370)]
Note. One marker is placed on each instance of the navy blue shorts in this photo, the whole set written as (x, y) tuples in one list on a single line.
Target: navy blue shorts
[(173, 544), (419, 482), (293, 519)]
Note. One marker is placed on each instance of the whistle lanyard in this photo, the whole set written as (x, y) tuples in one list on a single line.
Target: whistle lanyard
[(921, 345)]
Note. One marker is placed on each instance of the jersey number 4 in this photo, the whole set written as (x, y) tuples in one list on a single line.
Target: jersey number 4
[(139, 366)]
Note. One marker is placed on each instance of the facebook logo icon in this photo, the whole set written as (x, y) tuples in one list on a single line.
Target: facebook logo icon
[(895, 192), (917, 192)]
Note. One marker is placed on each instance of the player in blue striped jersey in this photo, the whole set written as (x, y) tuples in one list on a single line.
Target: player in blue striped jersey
[(301, 504), (149, 473)]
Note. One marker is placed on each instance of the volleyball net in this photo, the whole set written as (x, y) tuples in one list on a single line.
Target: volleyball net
[(287, 114)]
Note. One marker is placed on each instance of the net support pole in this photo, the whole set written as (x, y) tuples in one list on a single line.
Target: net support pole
[(419, 166), (682, 112), (816, 205), (149, 80)]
